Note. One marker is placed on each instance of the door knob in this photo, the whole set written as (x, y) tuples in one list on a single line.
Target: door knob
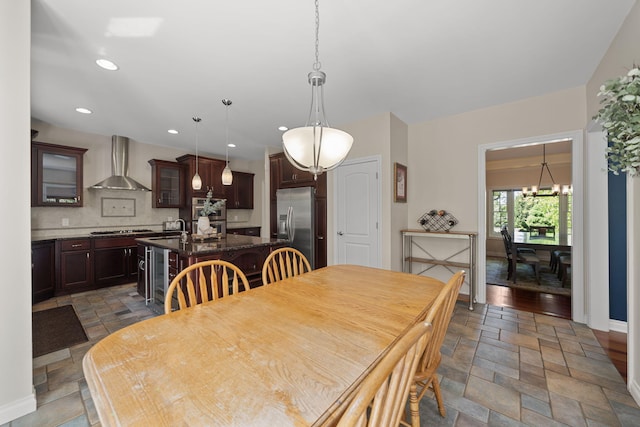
[(340, 233)]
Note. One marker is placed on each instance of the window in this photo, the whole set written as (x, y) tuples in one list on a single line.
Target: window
[(530, 214)]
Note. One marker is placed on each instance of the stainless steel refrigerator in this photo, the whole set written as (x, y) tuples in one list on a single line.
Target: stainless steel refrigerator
[(295, 211)]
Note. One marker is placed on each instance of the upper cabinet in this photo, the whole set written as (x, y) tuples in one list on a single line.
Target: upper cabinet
[(167, 184), (239, 194), (291, 176), (56, 175), (210, 171)]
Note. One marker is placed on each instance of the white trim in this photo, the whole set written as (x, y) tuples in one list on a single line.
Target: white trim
[(577, 299), (378, 161), (618, 326), (596, 242), (16, 409)]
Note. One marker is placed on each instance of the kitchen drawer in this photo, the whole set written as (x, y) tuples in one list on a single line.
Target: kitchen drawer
[(75, 245), (114, 242)]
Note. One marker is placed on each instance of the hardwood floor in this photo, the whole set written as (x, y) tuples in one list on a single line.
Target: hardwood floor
[(614, 343)]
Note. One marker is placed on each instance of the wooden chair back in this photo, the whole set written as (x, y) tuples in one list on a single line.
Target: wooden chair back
[(381, 398), (284, 263), (205, 281), (439, 316)]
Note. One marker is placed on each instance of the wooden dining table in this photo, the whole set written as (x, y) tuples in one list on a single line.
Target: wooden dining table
[(289, 353)]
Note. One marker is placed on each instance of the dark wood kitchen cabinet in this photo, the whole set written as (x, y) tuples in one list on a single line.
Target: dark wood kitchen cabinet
[(284, 175), (210, 171), (115, 261), (43, 270), (74, 266), (56, 175), (245, 231), (167, 184), (239, 194)]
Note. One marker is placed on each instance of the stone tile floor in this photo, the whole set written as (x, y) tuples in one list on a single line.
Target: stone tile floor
[(500, 367)]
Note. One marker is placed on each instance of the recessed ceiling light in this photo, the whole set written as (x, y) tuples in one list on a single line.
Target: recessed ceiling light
[(173, 131), (231, 145), (83, 110), (106, 64), (283, 128)]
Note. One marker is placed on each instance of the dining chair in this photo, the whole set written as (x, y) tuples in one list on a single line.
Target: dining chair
[(522, 255), (382, 395), (204, 281), (283, 263), (426, 377)]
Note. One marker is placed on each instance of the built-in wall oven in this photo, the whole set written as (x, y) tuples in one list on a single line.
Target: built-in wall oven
[(218, 219)]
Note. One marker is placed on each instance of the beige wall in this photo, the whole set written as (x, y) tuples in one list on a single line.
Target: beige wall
[(16, 386), (443, 155), (399, 153), (623, 53)]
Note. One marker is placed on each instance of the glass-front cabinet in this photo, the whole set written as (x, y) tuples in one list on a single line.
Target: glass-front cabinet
[(56, 175), (167, 184)]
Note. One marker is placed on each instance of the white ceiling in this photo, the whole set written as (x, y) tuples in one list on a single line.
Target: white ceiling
[(419, 59)]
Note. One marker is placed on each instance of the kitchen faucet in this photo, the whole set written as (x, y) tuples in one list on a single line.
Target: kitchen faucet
[(183, 236)]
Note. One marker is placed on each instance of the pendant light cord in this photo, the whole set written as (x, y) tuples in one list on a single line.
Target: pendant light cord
[(317, 65)]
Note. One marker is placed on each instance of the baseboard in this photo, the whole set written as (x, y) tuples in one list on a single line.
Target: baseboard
[(18, 408), (618, 326), (634, 390)]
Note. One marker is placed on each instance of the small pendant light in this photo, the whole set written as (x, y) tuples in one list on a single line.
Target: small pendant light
[(196, 182), (227, 175)]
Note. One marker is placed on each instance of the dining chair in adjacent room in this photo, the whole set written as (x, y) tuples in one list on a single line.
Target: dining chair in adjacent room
[(204, 281), (522, 256), (284, 263), (380, 400), (426, 376)]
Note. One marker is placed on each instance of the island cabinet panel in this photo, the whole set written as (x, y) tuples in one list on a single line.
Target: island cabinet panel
[(115, 261), (43, 270), (74, 265)]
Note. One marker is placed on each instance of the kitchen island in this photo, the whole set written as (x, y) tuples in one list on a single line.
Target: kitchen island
[(160, 259)]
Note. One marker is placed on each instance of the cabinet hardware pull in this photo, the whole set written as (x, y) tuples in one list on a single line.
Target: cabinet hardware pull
[(87, 255), (76, 245)]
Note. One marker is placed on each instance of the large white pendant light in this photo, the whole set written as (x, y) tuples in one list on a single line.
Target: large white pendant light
[(196, 181), (227, 175), (316, 147)]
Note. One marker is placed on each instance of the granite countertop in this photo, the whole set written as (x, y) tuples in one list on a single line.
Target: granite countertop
[(197, 247), (86, 235)]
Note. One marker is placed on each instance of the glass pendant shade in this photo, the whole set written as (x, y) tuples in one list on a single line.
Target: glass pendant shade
[(196, 182), (227, 176), (316, 148)]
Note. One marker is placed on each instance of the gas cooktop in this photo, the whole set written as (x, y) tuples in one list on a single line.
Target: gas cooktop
[(97, 233)]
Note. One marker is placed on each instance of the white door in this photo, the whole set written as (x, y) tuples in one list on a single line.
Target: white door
[(357, 207)]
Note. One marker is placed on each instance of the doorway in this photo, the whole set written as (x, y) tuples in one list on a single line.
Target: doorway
[(577, 301)]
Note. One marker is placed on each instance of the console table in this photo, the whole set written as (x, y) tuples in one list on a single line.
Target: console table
[(411, 243)]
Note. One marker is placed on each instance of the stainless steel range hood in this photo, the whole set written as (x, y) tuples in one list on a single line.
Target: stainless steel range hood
[(120, 168)]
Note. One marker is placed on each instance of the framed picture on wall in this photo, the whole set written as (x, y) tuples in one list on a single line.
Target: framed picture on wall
[(400, 188)]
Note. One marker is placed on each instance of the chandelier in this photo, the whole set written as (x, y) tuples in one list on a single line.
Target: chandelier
[(316, 147), (535, 189)]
